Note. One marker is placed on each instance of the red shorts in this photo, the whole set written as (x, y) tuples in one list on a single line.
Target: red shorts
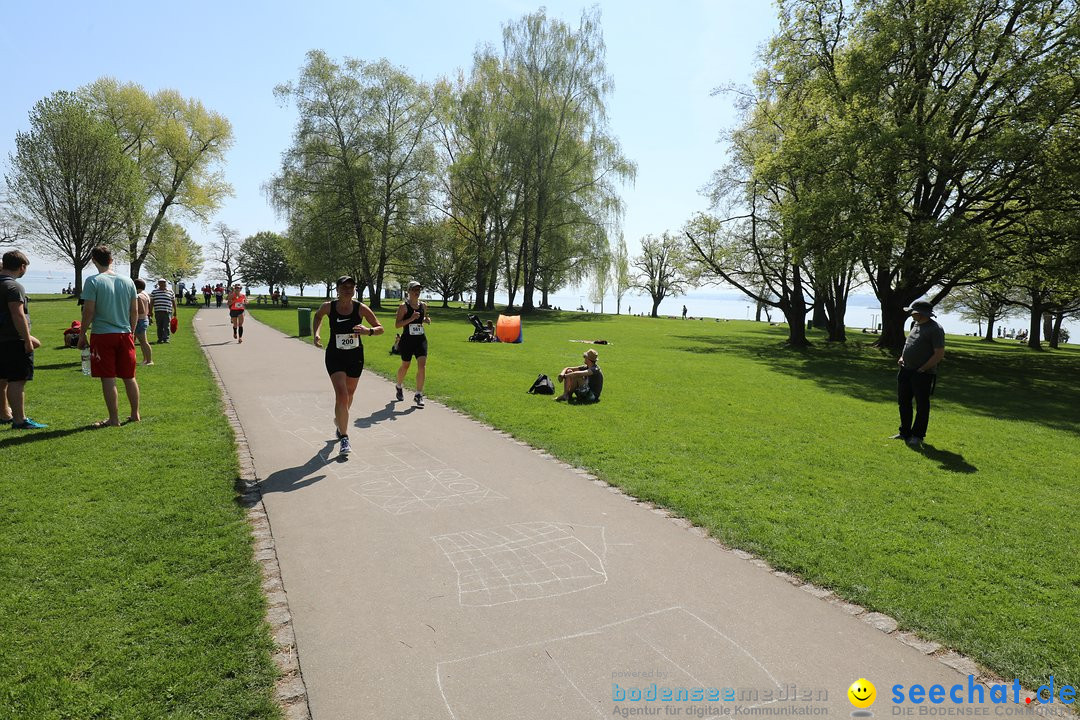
[(112, 355)]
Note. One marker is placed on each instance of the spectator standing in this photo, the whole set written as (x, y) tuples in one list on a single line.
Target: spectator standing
[(111, 308), (142, 323), (17, 345), (164, 308), (924, 349)]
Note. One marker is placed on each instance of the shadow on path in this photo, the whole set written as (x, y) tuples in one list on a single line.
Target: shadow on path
[(297, 478), (388, 413)]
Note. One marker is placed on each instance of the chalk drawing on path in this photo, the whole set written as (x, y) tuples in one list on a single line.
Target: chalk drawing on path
[(572, 676), (404, 490), (525, 561)]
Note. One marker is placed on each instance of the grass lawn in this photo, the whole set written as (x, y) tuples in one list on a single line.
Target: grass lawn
[(128, 587), (972, 542)]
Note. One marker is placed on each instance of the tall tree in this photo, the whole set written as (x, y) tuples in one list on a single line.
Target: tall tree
[(945, 110), (263, 259), (440, 258), (225, 250), (178, 146), (174, 254), (620, 274), (601, 279), (661, 268), (71, 186)]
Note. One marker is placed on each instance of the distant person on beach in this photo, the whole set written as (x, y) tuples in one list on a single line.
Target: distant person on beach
[(924, 349), (345, 352), (111, 308), (17, 345), (585, 382), (411, 318), (142, 323)]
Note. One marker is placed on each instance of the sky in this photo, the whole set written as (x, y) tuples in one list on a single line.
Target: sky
[(665, 59)]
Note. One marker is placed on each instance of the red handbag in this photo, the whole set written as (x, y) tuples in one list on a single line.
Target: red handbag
[(173, 324)]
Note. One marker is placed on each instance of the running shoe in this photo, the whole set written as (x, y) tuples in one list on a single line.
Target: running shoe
[(419, 398), (400, 393), (28, 424), (345, 447)]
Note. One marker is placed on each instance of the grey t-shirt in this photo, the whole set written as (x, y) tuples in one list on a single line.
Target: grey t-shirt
[(11, 291), (921, 344)]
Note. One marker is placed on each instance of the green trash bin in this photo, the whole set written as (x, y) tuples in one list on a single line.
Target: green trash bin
[(303, 316)]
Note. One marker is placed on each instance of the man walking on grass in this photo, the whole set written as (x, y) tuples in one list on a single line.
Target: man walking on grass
[(17, 345), (924, 349), (111, 308), (164, 304)]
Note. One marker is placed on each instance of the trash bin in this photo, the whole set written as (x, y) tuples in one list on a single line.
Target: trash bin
[(303, 317)]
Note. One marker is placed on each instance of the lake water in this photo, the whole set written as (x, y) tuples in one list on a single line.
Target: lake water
[(864, 311)]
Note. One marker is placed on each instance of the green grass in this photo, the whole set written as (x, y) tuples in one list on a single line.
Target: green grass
[(128, 587), (972, 542)]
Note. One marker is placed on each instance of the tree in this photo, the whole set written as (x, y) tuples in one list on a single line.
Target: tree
[(661, 268), (224, 251), (943, 111), (72, 188), (177, 145), (174, 254), (263, 259), (441, 258), (988, 302), (620, 274), (601, 279)]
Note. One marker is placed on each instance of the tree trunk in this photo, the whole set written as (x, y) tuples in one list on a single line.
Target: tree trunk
[(990, 320), (758, 311), (78, 279), (655, 304), (1035, 327), (820, 319), (1048, 325), (1055, 332), (893, 321)]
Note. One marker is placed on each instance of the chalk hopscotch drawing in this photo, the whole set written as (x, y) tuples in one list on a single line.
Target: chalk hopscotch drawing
[(571, 675), (524, 561), (392, 473)]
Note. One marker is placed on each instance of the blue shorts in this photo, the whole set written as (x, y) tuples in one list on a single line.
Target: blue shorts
[(142, 325)]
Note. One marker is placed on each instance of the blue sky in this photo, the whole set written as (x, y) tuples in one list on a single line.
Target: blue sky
[(665, 59)]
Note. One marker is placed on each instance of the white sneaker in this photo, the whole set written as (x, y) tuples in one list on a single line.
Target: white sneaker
[(345, 447), (419, 398)]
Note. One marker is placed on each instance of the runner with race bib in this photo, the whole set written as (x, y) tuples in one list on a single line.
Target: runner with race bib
[(411, 317), (345, 351), (237, 303)]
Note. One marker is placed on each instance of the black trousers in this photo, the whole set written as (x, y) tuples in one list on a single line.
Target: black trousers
[(911, 385)]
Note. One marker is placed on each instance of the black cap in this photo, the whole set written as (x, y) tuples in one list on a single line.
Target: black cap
[(346, 280), (923, 307)]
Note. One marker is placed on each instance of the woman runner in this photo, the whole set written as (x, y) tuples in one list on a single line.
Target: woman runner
[(237, 300), (345, 352), (411, 318)]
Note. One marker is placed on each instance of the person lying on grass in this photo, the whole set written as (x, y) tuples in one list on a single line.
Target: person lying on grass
[(584, 382)]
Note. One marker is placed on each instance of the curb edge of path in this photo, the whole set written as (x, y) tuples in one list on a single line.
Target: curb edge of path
[(882, 622), (290, 692)]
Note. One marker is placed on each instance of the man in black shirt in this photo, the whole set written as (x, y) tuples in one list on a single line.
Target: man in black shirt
[(17, 345), (585, 382), (924, 349)]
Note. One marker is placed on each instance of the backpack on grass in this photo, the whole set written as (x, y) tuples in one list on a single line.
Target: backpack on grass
[(542, 386)]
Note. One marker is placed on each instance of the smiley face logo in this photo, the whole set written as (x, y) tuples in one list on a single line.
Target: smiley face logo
[(862, 693)]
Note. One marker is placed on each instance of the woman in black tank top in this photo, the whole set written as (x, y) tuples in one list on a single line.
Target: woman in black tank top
[(411, 318), (345, 352)]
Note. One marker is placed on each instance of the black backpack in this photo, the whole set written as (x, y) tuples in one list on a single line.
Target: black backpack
[(542, 386)]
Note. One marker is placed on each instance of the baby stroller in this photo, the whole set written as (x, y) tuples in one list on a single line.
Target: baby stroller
[(480, 333)]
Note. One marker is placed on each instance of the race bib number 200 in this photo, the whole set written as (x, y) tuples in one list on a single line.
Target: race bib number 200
[(347, 342)]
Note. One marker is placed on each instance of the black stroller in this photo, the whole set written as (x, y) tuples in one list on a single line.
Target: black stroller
[(480, 333)]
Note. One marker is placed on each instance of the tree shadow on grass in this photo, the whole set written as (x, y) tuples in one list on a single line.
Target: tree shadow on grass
[(299, 477), (1029, 386)]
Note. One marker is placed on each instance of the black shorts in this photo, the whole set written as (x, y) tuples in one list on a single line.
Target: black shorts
[(409, 347), (16, 364), (236, 313), (350, 362)]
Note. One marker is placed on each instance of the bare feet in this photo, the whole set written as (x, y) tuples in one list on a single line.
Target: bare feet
[(133, 418), (105, 423)]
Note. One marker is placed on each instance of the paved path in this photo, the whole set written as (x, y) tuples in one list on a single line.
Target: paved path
[(446, 571)]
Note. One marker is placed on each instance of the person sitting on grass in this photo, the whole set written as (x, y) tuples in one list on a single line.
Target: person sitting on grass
[(584, 382)]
